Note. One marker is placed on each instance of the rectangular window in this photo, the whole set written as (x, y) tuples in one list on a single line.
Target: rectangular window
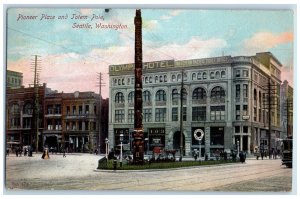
[(147, 115), (217, 113), (259, 115), (73, 126), (68, 110), (74, 110), (238, 91), (238, 112), (245, 129), (183, 113), (57, 109), (174, 114), (49, 109), (130, 115), (237, 73), (80, 110), (237, 129), (198, 113), (80, 126), (160, 114), (245, 90), (87, 125), (245, 73), (119, 116), (255, 113), (87, 109), (245, 109)]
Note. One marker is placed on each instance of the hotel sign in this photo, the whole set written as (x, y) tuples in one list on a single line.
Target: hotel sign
[(146, 66), (170, 64)]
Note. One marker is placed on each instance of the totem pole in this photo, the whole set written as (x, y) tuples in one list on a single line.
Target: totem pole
[(138, 134)]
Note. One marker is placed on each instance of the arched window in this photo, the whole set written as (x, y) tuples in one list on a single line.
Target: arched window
[(161, 78), (146, 96), (119, 98), (184, 95), (160, 95), (184, 77), (204, 75), (156, 79), (173, 78), (199, 93), (179, 77), (175, 96), (199, 76), (150, 79), (165, 78), (212, 75), (193, 76), (146, 80), (217, 75), (223, 74), (28, 109), (15, 108), (131, 97), (217, 93)]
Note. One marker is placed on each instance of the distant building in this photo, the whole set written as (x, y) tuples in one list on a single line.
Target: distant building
[(72, 119), (21, 116), (286, 102), (226, 97), (69, 120), (14, 79)]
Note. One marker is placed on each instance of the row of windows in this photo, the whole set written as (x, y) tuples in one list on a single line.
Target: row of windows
[(198, 114), (245, 73), (198, 94), (14, 81), (174, 78)]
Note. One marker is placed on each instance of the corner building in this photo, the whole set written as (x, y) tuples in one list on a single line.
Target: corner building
[(224, 96)]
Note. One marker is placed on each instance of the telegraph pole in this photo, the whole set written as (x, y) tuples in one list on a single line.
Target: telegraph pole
[(138, 143), (270, 125), (101, 84), (36, 68)]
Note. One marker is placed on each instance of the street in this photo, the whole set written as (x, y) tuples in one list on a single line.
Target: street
[(78, 172)]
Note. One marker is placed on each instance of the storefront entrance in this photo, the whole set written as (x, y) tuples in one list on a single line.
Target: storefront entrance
[(176, 141)]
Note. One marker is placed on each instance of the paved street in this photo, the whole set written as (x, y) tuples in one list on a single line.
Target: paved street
[(77, 172)]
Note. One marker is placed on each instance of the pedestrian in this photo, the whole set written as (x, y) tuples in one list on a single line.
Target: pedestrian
[(17, 151), (64, 152), (7, 151)]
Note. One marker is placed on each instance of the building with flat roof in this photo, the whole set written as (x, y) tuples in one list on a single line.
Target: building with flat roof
[(14, 79), (226, 97)]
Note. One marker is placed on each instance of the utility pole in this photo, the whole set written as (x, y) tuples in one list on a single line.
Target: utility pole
[(270, 125), (181, 118), (35, 66), (100, 78), (138, 143)]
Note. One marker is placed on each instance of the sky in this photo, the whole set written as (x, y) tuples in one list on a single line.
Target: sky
[(72, 55)]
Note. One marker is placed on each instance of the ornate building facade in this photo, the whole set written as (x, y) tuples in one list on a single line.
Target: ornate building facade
[(224, 96)]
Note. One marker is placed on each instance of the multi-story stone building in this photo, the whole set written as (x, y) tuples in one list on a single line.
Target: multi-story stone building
[(65, 119), (227, 97), (14, 79), (286, 107), (21, 116), (72, 121)]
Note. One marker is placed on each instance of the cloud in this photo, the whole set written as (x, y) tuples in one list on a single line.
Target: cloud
[(149, 24), (171, 14), (267, 40), (193, 49)]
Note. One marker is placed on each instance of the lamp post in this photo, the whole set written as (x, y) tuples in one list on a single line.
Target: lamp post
[(238, 147), (106, 147), (121, 154), (146, 140)]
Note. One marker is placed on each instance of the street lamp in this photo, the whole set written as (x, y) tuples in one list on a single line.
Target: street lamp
[(106, 147), (238, 147), (121, 155), (146, 139)]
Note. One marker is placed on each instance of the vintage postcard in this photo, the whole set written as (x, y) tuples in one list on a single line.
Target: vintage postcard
[(111, 99)]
